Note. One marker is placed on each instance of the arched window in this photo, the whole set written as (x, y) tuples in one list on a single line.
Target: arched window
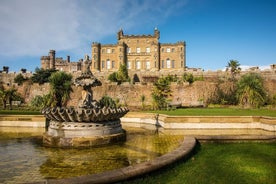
[(147, 64), (168, 63), (128, 64), (138, 65), (108, 64)]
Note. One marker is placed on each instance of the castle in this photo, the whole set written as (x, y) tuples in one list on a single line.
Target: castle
[(137, 52)]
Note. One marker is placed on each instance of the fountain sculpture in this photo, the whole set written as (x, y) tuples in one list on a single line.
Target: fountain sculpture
[(90, 124)]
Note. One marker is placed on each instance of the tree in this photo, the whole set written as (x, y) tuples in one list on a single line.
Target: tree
[(161, 91), (188, 77), (3, 97), (120, 76), (19, 79), (234, 68), (60, 83), (10, 95), (250, 90), (143, 99), (41, 101), (42, 76), (107, 101)]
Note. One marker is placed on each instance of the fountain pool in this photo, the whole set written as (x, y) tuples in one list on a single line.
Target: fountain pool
[(24, 159)]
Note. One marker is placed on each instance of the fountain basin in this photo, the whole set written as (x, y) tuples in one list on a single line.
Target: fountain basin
[(75, 134)]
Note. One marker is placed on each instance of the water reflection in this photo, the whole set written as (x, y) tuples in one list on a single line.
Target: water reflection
[(23, 159)]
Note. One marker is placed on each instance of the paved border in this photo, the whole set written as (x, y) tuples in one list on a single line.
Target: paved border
[(182, 152)]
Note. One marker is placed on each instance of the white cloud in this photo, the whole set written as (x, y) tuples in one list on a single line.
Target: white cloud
[(32, 27)]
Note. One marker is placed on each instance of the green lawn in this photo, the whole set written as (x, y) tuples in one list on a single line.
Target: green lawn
[(220, 163), (20, 112), (182, 112), (218, 112)]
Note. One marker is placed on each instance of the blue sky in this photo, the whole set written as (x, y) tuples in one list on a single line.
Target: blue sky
[(215, 31)]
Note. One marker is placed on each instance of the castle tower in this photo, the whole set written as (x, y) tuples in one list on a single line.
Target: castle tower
[(52, 54)]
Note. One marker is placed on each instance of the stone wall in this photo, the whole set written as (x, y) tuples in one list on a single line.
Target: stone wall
[(130, 94)]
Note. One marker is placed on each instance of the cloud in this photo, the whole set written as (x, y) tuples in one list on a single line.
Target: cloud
[(32, 27)]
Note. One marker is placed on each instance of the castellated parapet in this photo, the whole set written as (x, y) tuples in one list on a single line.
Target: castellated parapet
[(58, 63)]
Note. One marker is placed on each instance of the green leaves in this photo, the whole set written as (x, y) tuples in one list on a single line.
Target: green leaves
[(250, 90), (60, 83)]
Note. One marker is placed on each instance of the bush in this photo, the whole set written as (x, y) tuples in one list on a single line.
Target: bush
[(42, 76), (19, 79)]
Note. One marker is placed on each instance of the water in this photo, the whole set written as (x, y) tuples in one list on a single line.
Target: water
[(24, 159)]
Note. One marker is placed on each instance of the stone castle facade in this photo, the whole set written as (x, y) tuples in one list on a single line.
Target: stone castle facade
[(138, 52)]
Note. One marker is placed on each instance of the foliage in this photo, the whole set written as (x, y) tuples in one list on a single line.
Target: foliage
[(171, 78), (7, 96), (143, 99), (42, 76), (107, 101), (60, 83), (250, 90), (3, 97), (161, 92), (273, 100), (224, 94), (41, 101), (188, 77), (233, 67), (19, 79), (120, 76), (113, 77)]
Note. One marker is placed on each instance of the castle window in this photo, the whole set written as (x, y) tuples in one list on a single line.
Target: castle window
[(128, 50), (112, 51), (108, 51), (172, 63), (95, 50), (108, 64), (138, 50), (138, 65), (172, 49), (168, 63), (103, 50), (147, 64), (95, 65), (162, 63), (128, 65), (162, 50), (147, 50), (103, 64), (168, 49), (113, 64)]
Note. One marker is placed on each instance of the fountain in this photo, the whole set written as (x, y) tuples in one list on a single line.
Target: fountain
[(90, 124)]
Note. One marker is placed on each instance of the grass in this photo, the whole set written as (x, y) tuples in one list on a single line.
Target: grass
[(20, 112), (218, 112), (218, 163)]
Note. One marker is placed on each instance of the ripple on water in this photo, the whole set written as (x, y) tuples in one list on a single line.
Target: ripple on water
[(23, 159)]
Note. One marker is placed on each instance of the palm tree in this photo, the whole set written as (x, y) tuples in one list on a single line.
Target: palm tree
[(234, 68), (60, 83), (250, 90)]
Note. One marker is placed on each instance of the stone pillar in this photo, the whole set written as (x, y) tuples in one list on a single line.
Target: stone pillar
[(96, 56)]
